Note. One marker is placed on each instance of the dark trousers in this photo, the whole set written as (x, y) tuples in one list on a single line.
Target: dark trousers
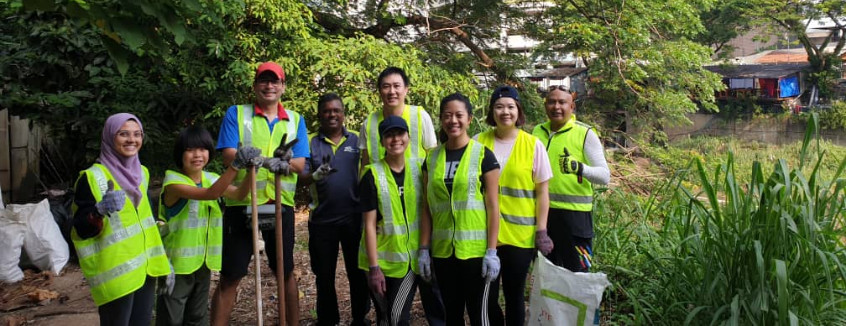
[(565, 252), (394, 309), (462, 285), (515, 263), (323, 243), (132, 309), (433, 304), (189, 302)]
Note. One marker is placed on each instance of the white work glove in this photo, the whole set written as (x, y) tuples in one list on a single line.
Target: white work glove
[(324, 169), (490, 265)]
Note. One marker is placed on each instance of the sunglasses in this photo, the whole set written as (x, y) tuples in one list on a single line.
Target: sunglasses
[(560, 87)]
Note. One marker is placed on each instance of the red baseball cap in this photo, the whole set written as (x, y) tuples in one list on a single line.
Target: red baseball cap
[(271, 66)]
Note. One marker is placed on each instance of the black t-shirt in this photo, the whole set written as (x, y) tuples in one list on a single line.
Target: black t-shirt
[(370, 197), (453, 157)]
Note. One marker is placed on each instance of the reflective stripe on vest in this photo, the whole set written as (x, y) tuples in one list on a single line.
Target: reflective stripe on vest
[(253, 130), (565, 191), (517, 202), (397, 234), (117, 261), (459, 220), (196, 232), (411, 115)]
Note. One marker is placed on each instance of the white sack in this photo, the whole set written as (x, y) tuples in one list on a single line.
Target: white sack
[(11, 239), (43, 241), (563, 298)]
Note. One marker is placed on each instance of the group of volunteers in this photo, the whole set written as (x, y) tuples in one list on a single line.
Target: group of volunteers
[(448, 214)]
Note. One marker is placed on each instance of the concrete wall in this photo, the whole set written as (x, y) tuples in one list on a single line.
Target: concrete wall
[(766, 130), (20, 144)]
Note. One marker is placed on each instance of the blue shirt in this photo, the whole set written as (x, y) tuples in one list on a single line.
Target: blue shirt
[(335, 197), (228, 135)]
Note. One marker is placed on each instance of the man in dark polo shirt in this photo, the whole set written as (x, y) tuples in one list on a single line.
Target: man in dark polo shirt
[(335, 216)]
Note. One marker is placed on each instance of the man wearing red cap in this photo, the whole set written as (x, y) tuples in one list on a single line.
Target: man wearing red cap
[(264, 125)]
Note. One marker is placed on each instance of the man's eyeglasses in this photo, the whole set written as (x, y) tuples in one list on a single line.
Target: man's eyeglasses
[(127, 134), (270, 81)]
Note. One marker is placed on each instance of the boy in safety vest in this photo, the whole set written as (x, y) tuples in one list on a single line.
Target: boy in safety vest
[(193, 234)]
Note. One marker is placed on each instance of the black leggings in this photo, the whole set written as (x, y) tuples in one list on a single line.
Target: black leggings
[(135, 308), (462, 285), (514, 263), (395, 307)]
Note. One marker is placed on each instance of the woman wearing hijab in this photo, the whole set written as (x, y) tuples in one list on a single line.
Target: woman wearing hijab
[(523, 201), (118, 244)]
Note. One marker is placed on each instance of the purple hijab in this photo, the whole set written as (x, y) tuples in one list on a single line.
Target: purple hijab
[(126, 170)]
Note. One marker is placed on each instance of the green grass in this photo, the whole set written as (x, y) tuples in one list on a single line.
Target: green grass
[(730, 239)]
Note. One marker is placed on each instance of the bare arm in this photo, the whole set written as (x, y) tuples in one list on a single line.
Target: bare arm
[(176, 191), (542, 206), (426, 217), (240, 192), (370, 244), (297, 165), (491, 179), (228, 155)]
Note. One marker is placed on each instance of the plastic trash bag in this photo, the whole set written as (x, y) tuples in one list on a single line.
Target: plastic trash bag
[(561, 297)]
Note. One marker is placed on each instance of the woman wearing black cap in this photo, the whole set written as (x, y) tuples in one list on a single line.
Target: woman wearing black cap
[(523, 200), (392, 201)]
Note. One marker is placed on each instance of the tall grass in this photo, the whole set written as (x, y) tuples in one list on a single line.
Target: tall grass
[(762, 251)]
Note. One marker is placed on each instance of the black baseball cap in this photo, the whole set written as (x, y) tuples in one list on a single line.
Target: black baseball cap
[(392, 122), (504, 91)]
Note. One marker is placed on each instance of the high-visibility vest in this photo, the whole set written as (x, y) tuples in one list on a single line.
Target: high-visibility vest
[(517, 201), (565, 191), (254, 131), (397, 234), (117, 261), (411, 115), (195, 234), (459, 221)]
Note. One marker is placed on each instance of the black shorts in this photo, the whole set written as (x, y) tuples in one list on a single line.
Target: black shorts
[(238, 243)]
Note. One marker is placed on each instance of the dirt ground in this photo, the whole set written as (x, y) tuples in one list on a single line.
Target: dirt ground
[(71, 302)]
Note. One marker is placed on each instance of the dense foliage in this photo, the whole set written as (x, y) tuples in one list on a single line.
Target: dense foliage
[(64, 68), (730, 245)]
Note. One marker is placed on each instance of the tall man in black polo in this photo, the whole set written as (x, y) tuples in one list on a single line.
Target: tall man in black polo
[(335, 216)]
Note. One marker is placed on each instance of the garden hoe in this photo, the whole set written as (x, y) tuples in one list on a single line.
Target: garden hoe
[(256, 253), (280, 153)]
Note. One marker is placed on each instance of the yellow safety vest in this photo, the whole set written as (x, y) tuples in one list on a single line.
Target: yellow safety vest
[(565, 191), (517, 201), (117, 261), (254, 131), (195, 234), (459, 221), (411, 115), (397, 234)]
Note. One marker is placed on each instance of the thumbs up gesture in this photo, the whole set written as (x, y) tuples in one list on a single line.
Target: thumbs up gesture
[(112, 200)]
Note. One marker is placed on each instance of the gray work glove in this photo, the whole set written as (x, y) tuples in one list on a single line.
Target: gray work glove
[(284, 152), (247, 156), (323, 170), (112, 201), (490, 265), (543, 242), (376, 281), (277, 165), (424, 262), (170, 282)]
